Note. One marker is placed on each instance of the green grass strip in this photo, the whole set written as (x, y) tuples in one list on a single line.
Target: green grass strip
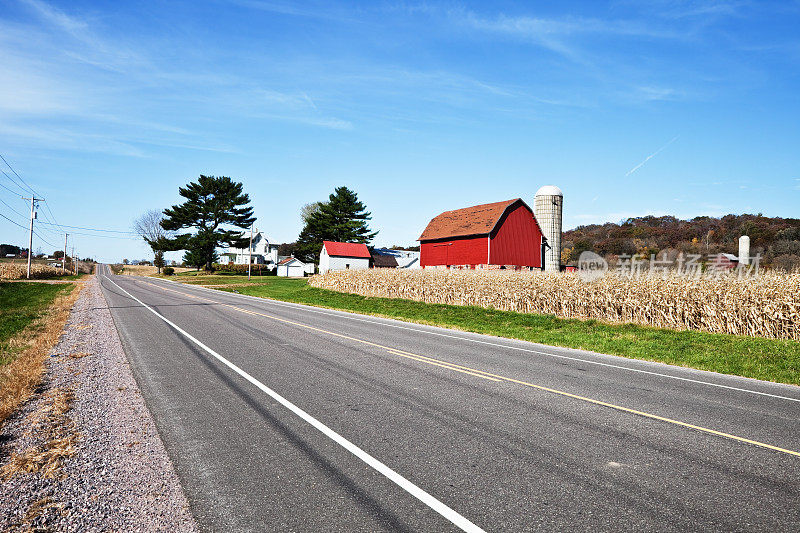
[(20, 304)]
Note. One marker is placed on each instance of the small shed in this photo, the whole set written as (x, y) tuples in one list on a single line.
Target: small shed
[(724, 262), (343, 256), (291, 268)]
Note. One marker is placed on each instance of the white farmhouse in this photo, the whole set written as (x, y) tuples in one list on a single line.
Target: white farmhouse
[(264, 252), (291, 267), (343, 256)]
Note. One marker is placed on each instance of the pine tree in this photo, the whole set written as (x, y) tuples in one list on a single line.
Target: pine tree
[(212, 205), (158, 260), (343, 218), (196, 258)]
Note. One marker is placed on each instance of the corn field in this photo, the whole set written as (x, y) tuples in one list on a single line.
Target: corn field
[(764, 306), (19, 271)]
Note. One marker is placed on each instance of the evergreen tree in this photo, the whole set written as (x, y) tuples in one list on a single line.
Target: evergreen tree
[(196, 258), (343, 218), (158, 260), (212, 205)]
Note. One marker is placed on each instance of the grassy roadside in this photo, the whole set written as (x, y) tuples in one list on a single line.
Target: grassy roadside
[(766, 359), (32, 317)]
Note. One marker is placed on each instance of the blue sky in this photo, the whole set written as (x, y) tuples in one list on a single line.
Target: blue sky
[(672, 107)]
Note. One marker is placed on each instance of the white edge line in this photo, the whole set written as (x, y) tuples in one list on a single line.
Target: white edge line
[(345, 314), (448, 513)]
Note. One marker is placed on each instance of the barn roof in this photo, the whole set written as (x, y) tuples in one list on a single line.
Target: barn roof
[(347, 249), (383, 260), (476, 220)]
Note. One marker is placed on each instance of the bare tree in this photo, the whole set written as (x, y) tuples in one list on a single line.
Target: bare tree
[(148, 226), (309, 209)]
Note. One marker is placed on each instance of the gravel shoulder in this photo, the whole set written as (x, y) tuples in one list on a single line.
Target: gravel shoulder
[(84, 453)]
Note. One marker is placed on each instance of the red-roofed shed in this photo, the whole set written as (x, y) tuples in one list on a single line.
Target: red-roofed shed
[(343, 256), (501, 234), (346, 249)]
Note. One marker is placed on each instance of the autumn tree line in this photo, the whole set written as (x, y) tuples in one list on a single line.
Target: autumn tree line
[(776, 239)]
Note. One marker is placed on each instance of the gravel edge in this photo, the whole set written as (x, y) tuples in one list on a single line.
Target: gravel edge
[(120, 477)]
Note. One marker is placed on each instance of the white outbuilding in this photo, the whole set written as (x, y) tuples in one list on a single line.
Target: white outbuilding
[(291, 268), (343, 256)]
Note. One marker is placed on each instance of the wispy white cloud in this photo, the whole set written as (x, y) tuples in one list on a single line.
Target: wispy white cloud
[(67, 139), (682, 9), (297, 9), (560, 35), (651, 93), (72, 25), (69, 80), (651, 156), (332, 123)]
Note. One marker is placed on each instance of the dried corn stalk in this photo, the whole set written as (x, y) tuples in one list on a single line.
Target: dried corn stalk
[(764, 306)]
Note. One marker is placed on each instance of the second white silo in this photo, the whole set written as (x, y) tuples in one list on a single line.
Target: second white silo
[(548, 206), (744, 250)]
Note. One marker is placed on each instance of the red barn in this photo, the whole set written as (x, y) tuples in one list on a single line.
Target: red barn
[(502, 233)]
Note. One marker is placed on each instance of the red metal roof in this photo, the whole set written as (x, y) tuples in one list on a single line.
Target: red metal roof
[(347, 249), (287, 260), (475, 220)]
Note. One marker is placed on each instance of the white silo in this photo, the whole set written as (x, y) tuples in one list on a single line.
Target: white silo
[(744, 250), (548, 205)]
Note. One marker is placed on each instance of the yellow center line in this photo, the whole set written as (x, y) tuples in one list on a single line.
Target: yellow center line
[(495, 377), (447, 366)]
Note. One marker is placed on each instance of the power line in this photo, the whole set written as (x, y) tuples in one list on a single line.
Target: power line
[(15, 193), (17, 175), (26, 229), (24, 216), (47, 205), (126, 237), (51, 217), (91, 229), (45, 215), (44, 240), (14, 210), (34, 231), (33, 200), (15, 223), (50, 231)]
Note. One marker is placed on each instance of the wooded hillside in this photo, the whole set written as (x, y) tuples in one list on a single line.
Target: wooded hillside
[(777, 239)]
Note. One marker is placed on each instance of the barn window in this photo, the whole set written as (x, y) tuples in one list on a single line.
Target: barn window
[(347, 265)]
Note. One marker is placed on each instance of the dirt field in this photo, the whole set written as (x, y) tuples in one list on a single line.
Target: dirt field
[(145, 270)]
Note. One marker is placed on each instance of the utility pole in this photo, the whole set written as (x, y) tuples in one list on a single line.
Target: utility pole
[(64, 257), (34, 205), (250, 253), (74, 263)]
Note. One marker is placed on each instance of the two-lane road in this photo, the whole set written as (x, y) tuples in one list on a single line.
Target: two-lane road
[(287, 417)]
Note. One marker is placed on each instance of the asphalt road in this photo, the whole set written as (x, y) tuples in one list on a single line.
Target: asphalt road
[(257, 402)]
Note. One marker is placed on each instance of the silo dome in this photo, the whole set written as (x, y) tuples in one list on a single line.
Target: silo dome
[(549, 190)]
